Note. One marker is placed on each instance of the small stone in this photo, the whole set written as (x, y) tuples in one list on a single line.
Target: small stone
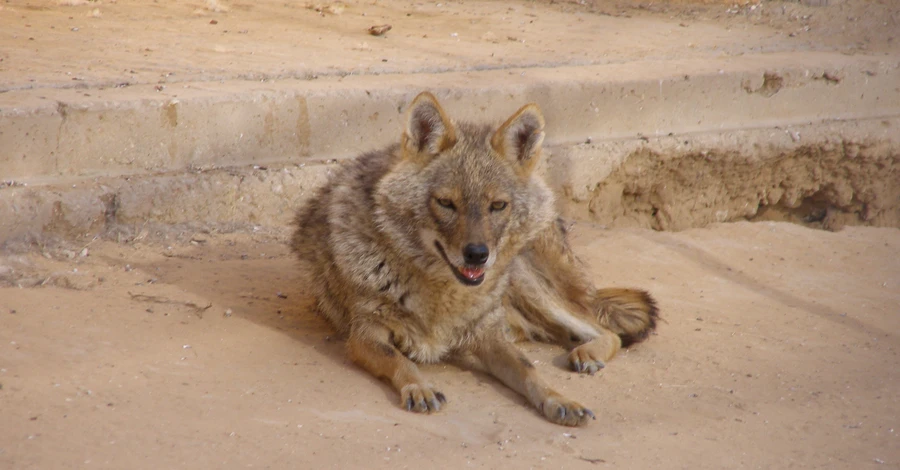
[(379, 30)]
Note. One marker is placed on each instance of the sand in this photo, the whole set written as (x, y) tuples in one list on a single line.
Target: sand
[(778, 349)]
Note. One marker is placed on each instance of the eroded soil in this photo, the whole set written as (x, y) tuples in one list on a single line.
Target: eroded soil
[(822, 185)]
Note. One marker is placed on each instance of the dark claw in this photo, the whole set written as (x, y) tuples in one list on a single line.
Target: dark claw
[(441, 398), (576, 365), (592, 367), (422, 406), (409, 404), (562, 412), (590, 413), (434, 405)]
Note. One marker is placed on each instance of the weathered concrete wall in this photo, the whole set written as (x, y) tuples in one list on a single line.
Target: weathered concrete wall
[(79, 164), (827, 174), (131, 131)]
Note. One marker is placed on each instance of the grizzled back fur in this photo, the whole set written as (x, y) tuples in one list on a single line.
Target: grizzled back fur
[(450, 229), (394, 221)]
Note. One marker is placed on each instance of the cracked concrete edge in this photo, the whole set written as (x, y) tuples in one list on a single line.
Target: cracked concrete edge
[(258, 196), (230, 198), (82, 133)]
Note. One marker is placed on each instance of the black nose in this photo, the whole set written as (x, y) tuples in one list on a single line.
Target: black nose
[(475, 254)]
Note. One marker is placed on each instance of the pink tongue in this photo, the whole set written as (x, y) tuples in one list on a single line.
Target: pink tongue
[(471, 273)]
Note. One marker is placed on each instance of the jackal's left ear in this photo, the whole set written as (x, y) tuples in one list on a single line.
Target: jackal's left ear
[(428, 129), (521, 136)]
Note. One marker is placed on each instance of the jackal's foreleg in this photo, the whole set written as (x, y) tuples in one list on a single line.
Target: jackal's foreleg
[(505, 361), (371, 348)]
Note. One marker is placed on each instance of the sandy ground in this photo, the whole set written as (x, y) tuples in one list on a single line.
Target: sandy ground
[(87, 44), (779, 350)]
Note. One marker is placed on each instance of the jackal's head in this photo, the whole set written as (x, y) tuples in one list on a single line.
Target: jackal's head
[(463, 196)]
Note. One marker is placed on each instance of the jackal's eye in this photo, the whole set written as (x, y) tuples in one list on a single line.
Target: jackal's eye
[(446, 203), (498, 205)]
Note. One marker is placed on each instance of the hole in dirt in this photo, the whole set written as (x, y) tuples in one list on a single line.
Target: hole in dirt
[(816, 211), (823, 186)]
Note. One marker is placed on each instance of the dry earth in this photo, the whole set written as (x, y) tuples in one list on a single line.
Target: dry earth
[(86, 44), (779, 349)]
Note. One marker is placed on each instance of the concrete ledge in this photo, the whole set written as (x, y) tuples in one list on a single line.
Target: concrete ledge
[(221, 198), (137, 130), (665, 182), (236, 154)]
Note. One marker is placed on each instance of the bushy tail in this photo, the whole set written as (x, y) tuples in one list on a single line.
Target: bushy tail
[(629, 313)]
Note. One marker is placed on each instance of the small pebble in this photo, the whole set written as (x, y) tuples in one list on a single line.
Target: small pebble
[(379, 30)]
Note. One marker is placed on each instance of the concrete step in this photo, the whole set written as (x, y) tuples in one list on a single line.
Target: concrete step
[(181, 140), (56, 137)]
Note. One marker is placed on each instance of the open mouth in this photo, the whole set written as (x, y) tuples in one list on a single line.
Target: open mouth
[(466, 274)]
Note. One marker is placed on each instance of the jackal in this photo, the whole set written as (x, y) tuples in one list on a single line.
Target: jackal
[(448, 246)]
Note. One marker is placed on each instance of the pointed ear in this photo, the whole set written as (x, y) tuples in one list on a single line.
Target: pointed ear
[(428, 129), (520, 137)]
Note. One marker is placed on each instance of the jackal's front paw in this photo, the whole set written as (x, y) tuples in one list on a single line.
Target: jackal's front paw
[(421, 398), (561, 410)]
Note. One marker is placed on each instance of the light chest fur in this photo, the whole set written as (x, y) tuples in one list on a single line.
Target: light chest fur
[(438, 318), (377, 276)]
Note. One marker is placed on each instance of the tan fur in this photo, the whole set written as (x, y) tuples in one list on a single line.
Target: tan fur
[(392, 245)]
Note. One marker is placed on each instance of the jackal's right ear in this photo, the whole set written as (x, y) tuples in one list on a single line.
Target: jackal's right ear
[(428, 129), (520, 137)]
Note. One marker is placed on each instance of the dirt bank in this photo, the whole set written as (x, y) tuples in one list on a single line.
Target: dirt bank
[(823, 185)]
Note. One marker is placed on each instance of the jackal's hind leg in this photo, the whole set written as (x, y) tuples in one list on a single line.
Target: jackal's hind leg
[(591, 356)]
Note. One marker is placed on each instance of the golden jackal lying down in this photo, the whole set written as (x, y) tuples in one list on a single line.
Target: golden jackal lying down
[(447, 246)]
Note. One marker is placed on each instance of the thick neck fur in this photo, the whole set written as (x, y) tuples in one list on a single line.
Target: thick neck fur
[(401, 216)]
